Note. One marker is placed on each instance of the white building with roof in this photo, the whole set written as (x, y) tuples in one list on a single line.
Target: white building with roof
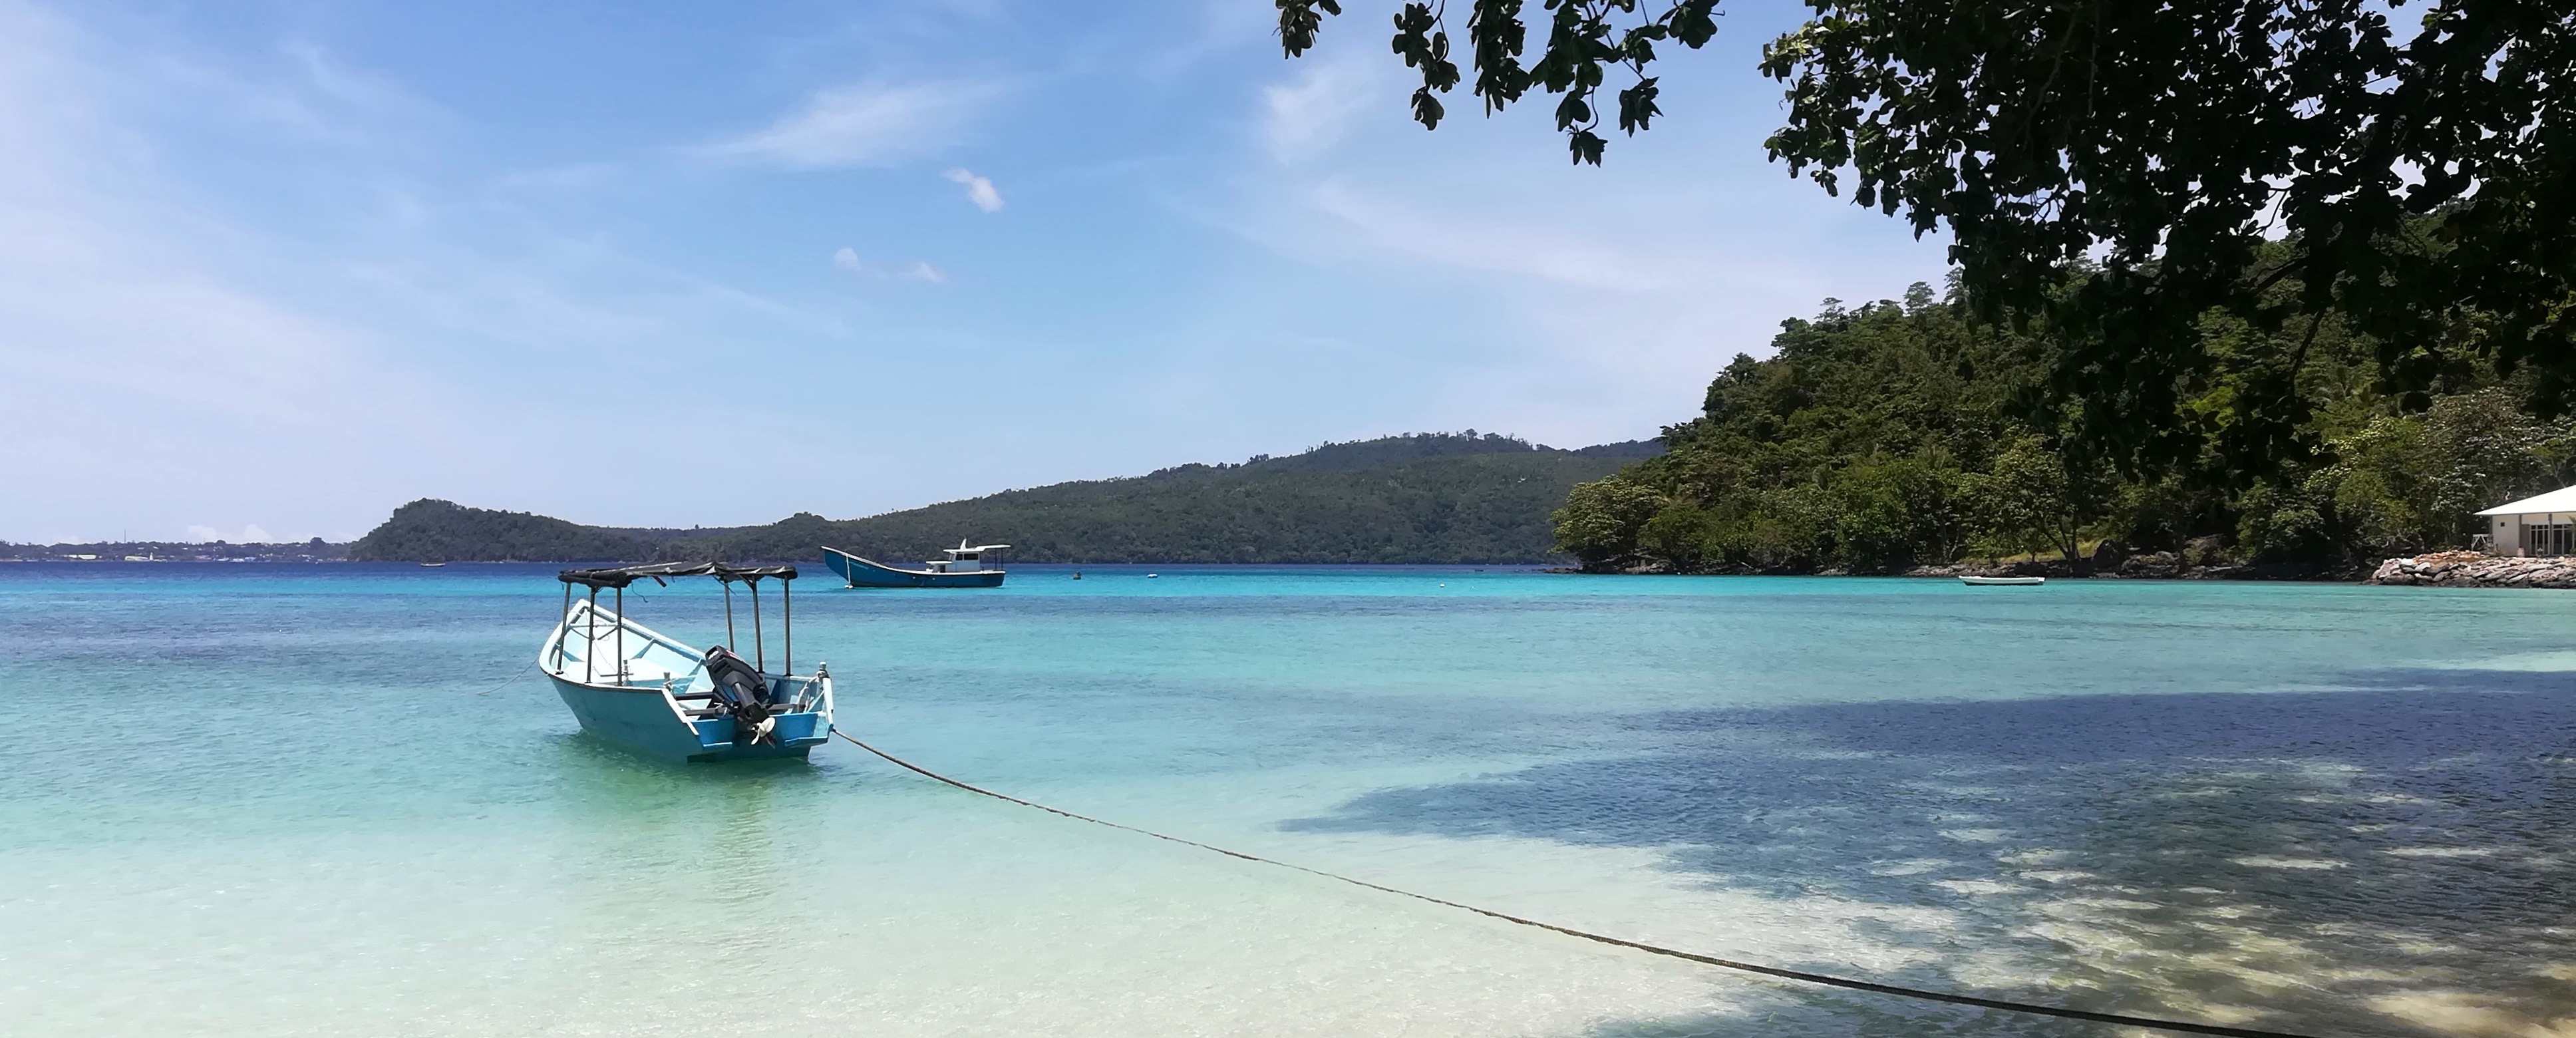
[(2534, 525)]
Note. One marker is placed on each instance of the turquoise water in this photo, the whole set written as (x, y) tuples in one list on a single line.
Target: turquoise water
[(332, 800)]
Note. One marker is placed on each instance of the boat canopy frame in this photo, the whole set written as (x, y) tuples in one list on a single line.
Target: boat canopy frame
[(620, 576), (616, 578)]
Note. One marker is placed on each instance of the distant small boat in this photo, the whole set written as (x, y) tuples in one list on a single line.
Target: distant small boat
[(965, 566), (651, 693), (2002, 581), (431, 565)]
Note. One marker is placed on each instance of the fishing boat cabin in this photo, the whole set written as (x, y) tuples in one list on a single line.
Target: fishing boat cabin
[(964, 559)]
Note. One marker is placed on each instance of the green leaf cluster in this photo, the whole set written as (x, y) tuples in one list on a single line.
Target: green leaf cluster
[(1586, 40), (2416, 181), (2113, 174)]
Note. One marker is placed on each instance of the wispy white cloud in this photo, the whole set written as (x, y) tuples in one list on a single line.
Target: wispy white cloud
[(1311, 113), (136, 333), (864, 125), (94, 256), (979, 190), (847, 259), (213, 246), (349, 90), (1587, 249), (1579, 304), (165, 357)]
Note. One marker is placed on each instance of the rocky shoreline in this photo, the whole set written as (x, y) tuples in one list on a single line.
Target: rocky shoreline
[(2201, 560), (2439, 569), (2475, 569)]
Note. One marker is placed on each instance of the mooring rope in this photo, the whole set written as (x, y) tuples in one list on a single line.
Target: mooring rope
[(514, 676), (2006, 1005)]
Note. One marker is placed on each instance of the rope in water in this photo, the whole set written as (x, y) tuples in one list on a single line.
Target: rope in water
[(514, 676), (2181, 1026)]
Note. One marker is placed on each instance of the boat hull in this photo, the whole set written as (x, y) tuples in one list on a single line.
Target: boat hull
[(861, 572), (2003, 581), (643, 720)]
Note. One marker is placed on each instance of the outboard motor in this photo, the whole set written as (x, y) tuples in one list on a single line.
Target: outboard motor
[(745, 694)]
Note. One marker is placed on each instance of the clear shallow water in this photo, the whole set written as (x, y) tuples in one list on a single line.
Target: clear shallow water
[(308, 810)]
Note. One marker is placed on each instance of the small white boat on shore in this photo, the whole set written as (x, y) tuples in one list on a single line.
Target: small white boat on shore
[(2002, 581)]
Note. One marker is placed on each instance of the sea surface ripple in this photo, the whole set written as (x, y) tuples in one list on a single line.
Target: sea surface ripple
[(291, 800)]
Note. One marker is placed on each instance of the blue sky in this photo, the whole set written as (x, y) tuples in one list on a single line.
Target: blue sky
[(275, 268)]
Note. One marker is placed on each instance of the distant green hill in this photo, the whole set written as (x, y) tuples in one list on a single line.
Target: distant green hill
[(430, 530), (1434, 497)]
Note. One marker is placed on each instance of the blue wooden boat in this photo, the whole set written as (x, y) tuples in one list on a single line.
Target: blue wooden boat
[(966, 566), (651, 693)]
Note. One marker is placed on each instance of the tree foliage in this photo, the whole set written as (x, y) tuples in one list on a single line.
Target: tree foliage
[(2409, 168), (2022, 502), (1604, 518), (1583, 42), (2419, 182), (1893, 435)]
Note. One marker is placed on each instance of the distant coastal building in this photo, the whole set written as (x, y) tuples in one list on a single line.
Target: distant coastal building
[(2539, 525)]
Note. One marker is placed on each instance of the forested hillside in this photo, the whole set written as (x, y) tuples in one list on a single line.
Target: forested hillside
[(1897, 434), (430, 530), (1425, 498)]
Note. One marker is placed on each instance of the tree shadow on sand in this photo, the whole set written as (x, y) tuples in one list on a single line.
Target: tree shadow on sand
[(2390, 857)]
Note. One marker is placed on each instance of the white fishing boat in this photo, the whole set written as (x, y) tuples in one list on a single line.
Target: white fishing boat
[(2002, 581), (653, 693), (967, 565)]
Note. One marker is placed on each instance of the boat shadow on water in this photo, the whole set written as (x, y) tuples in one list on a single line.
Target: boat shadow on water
[(590, 762), (2390, 857)]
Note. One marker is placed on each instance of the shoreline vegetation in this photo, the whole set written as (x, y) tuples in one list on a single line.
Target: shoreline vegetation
[(1914, 438), (313, 550)]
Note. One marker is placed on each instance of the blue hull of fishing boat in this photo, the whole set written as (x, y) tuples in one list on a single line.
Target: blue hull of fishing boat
[(641, 720), (864, 573)]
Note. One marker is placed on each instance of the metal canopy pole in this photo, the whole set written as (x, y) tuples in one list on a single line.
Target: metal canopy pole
[(567, 619), (757, 644), (590, 638), (787, 625), (621, 635), (728, 586)]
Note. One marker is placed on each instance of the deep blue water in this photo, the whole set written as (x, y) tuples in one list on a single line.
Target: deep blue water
[(333, 800)]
